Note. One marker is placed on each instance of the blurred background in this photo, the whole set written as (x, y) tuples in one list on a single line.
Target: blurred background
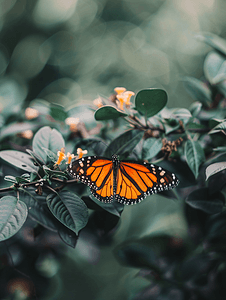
[(72, 51)]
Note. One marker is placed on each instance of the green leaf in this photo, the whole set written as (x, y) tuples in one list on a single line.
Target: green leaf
[(51, 173), (212, 40), (206, 115), (198, 90), (170, 125), (19, 159), (215, 168), (10, 179), (14, 128), (68, 236), (69, 209), (219, 128), (182, 114), (108, 112), (151, 148), (215, 67), (150, 101), (36, 157), (51, 155), (38, 209), (195, 108), (195, 126), (124, 144), (194, 155), (220, 149), (47, 138), (201, 199), (114, 208), (57, 112), (13, 214)]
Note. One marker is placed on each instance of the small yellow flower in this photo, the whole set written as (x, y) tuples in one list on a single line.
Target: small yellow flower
[(119, 90), (69, 158), (121, 101), (124, 98), (72, 122), (61, 156), (127, 96), (31, 113), (98, 102), (27, 134), (80, 152)]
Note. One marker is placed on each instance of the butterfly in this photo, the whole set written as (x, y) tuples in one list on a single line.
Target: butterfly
[(128, 182)]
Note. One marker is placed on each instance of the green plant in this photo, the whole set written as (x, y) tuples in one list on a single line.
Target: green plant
[(189, 142)]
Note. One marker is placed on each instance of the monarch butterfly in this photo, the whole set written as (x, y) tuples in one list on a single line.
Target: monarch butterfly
[(128, 182)]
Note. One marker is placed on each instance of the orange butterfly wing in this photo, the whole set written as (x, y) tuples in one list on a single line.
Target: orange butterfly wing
[(136, 180), (128, 182), (97, 173)]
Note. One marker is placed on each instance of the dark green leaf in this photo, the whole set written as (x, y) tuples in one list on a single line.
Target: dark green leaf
[(215, 168), (215, 67), (213, 40), (194, 155), (108, 112), (150, 101), (68, 236), (151, 147), (13, 214), (201, 199), (124, 144), (220, 127), (69, 209), (195, 126), (57, 112), (47, 138), (198, 90), (19, 159), (38, 209), (170, 125), (25, 178), (114, 208), (104, 222)]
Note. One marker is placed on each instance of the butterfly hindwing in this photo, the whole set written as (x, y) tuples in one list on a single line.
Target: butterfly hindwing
[(136, 180)]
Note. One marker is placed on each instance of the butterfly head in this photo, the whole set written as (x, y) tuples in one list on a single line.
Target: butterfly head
[(114, 157)]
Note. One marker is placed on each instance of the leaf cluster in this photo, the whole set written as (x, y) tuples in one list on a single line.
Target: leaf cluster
[(189, 142)]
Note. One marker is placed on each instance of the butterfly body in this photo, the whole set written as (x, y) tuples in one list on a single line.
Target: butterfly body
[(128, 182)]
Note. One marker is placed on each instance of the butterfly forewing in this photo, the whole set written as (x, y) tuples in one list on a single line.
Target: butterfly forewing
[(137, 180), (97, 173)]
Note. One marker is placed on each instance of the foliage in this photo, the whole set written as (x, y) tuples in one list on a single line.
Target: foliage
[(189, 142)]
